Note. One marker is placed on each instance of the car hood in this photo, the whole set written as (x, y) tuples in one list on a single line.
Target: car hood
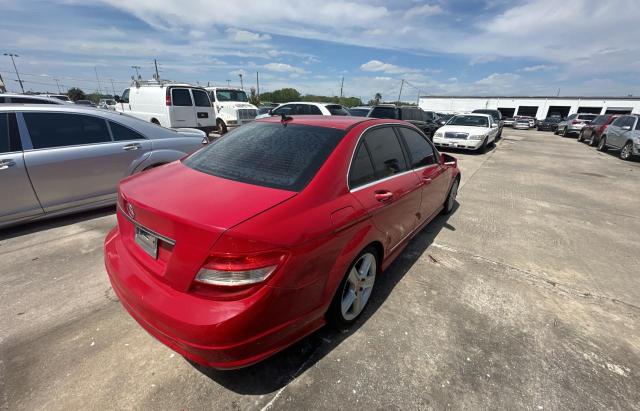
[(464, 129)]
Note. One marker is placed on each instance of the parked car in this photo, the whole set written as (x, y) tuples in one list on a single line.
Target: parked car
[(444, 117), (360, 111), (232, 107), (107, 104), (292, 224), (306, 108), (87, 103), (264, 110), (622, 134), (497, 118), (27, 99), (532, 121), (592, 132), (508, 122), (58, 159), (468, 131), (62, 97), (170, 105), (549, 124), (574, 123), (522, 124), (411, 114)]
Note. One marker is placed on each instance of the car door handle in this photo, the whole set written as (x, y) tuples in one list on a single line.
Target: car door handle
[(131, 147), (383, 195), (4, 164)]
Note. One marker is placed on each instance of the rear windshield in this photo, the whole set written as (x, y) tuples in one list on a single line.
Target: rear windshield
[(359, 112), (268, 154), (384, 112), (587, 116), (337, 111)]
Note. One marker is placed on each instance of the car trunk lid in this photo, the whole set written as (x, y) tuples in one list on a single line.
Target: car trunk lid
[(186, 211)]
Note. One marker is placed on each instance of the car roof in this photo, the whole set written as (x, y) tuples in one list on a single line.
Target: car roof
[(312, 103), (338, 122), (32, 96)]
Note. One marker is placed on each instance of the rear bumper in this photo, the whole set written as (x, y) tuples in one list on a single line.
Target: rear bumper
[(218, 334), (547, 127)]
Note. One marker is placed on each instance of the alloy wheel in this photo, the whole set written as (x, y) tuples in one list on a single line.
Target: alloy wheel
[(602, 145), (357, 289), (625, 153)]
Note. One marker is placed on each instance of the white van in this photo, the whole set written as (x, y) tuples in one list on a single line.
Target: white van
[(232, 106), (170, 105)]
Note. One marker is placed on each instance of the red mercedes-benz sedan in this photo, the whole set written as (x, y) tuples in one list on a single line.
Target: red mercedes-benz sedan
[(262, 237)]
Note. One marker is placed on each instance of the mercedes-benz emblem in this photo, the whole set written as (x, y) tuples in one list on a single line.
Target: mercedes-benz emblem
[(131, 211)]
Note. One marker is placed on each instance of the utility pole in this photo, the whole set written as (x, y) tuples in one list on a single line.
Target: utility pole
[(98, 78), (15, 68), (155, 63), (58, 84), (113, 87), (258, 85), (241, 85), (400, 94), (136, 68), (228, 83), (2, 85), (341, 86)]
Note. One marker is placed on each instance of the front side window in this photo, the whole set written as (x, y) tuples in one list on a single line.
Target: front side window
[(122, 133), (361, 171), (619, 122), (599, 120), (282, 156), (201, 98), (386, 152), (62, 129), (287, 110), (308, 109), (181, 97), (4, 133), (629, 121), (419, 149)]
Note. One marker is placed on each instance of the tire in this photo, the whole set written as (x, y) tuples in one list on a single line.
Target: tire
[(354, 291), (602, 144), (627, 151), (592, 142), (221, 127), (555, 132), (450, 202), (581, 137), (483, 147), (564, 132)]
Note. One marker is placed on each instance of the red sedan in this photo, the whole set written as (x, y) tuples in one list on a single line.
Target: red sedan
[(261, 238)]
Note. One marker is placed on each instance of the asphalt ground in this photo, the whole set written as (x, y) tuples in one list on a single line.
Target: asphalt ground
[(526, 297)]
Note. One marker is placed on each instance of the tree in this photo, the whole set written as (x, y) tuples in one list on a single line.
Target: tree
[(284, 95), (377, 99), (76, 94), (253, 97)]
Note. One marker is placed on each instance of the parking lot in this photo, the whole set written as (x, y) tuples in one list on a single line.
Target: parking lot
[(527, 296)]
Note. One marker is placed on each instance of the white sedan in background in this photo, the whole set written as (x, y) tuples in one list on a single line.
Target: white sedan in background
[(469, 131), (308, 109)]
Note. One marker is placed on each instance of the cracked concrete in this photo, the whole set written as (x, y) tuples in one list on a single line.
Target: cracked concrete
[(527, 297)]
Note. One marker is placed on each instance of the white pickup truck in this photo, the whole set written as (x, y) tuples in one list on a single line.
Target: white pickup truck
[(232, 106)]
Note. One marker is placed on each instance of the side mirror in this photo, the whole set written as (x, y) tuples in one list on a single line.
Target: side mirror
[(117, 99), (494, 125), (626, 128)]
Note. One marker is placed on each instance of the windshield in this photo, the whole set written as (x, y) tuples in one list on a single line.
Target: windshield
[(493, 113), (273, 155), (473, 121), (231, 95)]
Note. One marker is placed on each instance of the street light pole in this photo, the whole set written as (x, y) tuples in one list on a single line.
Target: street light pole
[(57, 84), (136, 69), (241, 85), (15, 68)]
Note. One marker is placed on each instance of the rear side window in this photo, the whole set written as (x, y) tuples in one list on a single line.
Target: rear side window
[(286, 110), (308, 109), (62, 129), (181, 97), (273, 155), (337, 111), (599, 120), (419, 149), (201, 98), (386, 152), (383, 112), (427, 116), (125, 96), (361, 171), (4, 133), (122, 133), (587, 116)]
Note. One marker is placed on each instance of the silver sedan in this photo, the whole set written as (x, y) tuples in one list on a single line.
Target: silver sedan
[(58, 159)]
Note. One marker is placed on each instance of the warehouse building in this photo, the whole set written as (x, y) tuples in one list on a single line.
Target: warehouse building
[(538, 107)]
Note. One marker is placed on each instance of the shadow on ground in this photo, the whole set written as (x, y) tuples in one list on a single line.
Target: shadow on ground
[(55, 222), (277, 371)]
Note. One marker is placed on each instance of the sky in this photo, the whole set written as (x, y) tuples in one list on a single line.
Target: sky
[(455, 47)]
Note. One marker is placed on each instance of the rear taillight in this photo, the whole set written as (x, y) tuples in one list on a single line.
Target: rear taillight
[(168, 97), (225, 270), (575, 122)]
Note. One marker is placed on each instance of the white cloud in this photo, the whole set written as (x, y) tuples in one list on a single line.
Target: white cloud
[(283, 68), (377, 65), (243, 36), (482, 60), (499, 79), (424, 10), (539, 67)]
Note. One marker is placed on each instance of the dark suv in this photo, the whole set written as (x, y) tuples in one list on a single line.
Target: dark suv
[(497, 117), (426, 121)]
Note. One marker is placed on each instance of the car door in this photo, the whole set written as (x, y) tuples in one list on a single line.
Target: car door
[(625, 131), (393, 193), (204, 111), (424, 160), (72, 159), (182, 111), (18, 198), (614, 131)]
